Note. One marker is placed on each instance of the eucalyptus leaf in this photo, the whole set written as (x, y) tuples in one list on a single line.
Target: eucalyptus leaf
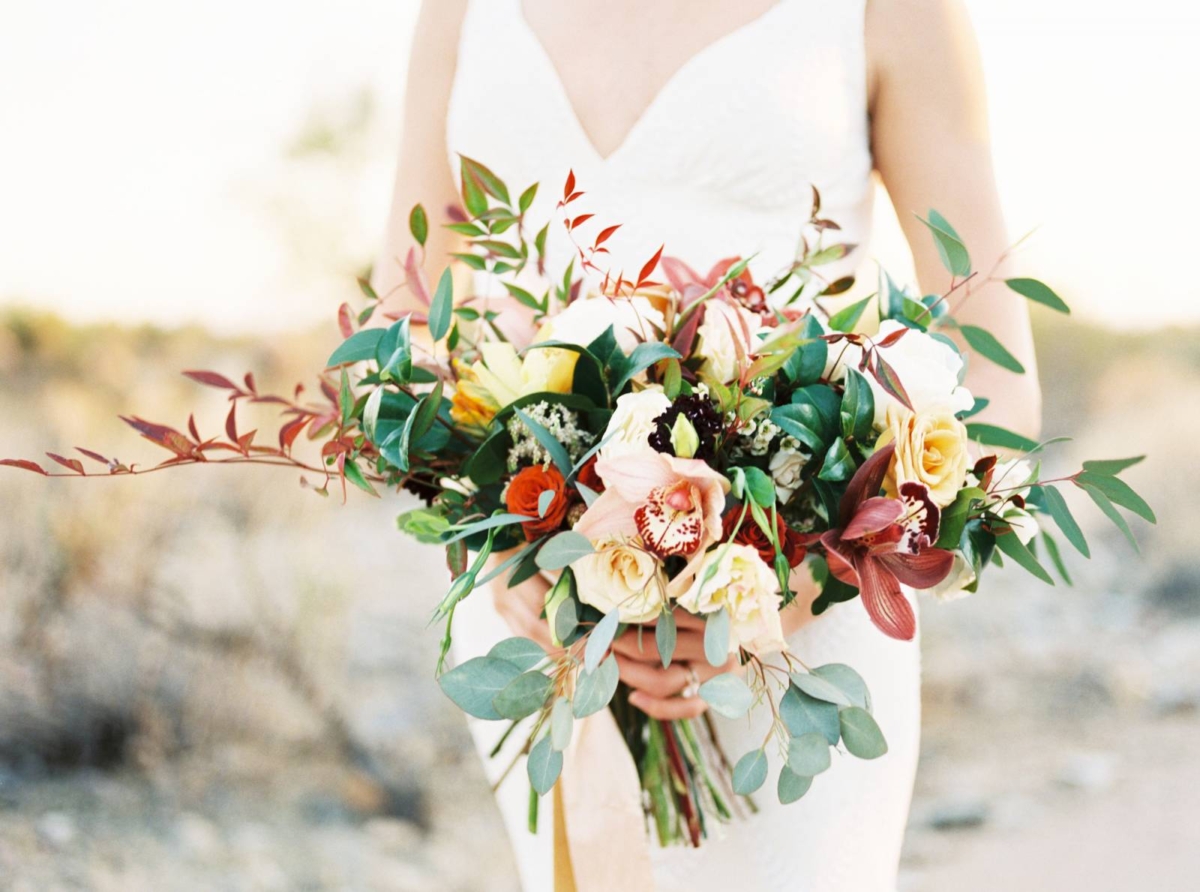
[(802, 714), (750, 772), (600, 639), (1113, 466), (594, 690), (727, 695), (544, 765), (820, 688), (562, 722), (473, 685), (1057, 506), (847, 681), (716, 637), (1111, 512), (985, 344), (791, 786), (523, 696), (523, 653), (1010, 545), (1039, 292), (950, 247), (556, 450), (665, 635), (808, 754), (1003, 438), (563, 549), (861, 734), (1119, 492)]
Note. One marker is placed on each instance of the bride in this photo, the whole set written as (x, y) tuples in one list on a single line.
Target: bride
[(702, 124)]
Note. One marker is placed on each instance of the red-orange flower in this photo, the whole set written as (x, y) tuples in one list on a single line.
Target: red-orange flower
[(752, 534), (524, 493), (588, 477)]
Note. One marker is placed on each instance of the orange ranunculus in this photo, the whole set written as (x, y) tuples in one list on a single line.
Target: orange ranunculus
[(524, 492), (752, 534), (588, 477)]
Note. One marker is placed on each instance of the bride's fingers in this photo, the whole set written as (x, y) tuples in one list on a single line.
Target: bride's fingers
[(653, 680), (685, 620), (668, 709), (689, 646)]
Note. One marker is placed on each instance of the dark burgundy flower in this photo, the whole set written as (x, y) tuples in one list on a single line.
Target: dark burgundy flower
[(881, 543), (700, 411), (750, 533)]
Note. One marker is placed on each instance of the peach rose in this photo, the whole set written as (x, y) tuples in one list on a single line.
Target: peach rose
[(931, 449)]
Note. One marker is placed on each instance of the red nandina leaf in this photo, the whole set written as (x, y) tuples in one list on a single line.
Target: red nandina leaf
[(73, 463), (164, 436), (570, 185), (291, 430), (685, 340), (649, 267), (455, 213), (605, 235), (415, 277), (24, 465), (679, 274), (330, 393), (231, 423), (212, 379), (250, 383), (580, 220), (882, 371), (893, 338), (95, 456), (245, 440), (572, 197), (345, 323), (192, 428)]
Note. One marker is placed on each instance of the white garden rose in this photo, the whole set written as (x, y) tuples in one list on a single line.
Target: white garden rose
[(1011, 476), (1023, 524), (785, 467), (927, 368), (726, 330), (954, 586), (742, 584), (632, 422), (634, 320), (620, 573)]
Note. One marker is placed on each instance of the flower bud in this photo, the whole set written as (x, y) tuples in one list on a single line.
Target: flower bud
[(684, 439)]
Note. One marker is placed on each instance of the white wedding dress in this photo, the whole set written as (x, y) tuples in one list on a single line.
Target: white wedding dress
[(720, 163)]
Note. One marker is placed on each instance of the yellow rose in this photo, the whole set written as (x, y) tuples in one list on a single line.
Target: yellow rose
[(931, 448), (548, 370)]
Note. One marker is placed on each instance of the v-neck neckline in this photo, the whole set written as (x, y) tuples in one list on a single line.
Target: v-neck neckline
[(669, 84)]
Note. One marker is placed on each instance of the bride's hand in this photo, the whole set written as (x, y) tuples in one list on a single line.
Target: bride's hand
[(656, 690)]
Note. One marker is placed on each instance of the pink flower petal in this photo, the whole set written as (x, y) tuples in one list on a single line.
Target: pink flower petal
[(839, 559), (609, 515)]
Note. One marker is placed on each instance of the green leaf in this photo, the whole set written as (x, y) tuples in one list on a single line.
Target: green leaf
[(594, 690), (441, 307), (820, 688), (791, 786), (523, 653), (985, 344), (955, 516), (561, 724), (1057, 507), (727, 695), (847, 681), (1038, 292), (1112, 514), (1111, 467), (473, 195), (665, 635), (1010, 545), (1118, 491), (355, 475), (1055, 557), (523, 297), (760, 487), (566, 619), (1000, 437), (802, 714), (544, 766), (563, 550), (492, 183), (370, 416), (750, 772), (356, 348), (808, 754), (806, 365), (418, 224), (478, 526), (558, 453), (716, 637), (643, 356), (791, 419), (345, 398), (526, 198), (950, 247), (839, 464), (978, 406), (474, 685), (600, 639), (523, 696), (861, 733), (857, 412), (847, 317)]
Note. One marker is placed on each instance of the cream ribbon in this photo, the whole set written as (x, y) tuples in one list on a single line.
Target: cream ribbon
[(600, 842)]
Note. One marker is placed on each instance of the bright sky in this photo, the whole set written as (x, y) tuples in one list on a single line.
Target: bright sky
[(145, 174)]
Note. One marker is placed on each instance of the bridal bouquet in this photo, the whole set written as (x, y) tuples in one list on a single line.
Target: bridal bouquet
[(674, 444)]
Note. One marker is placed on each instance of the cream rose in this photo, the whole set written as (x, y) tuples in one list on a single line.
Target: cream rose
[(931, 448), (727, 329), (742, 584), (620, 573), (785, 467), (634, 319), (928, 368), (632, 422), (954, 586), (1023, 524)]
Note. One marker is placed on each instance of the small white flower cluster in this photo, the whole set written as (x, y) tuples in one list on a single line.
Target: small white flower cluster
[(755, 438), (563, 425)]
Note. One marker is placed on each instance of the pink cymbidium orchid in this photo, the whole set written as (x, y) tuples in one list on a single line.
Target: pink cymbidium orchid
[(881, 543)]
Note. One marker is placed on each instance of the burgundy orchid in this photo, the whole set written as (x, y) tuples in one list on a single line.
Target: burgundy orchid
[(881, 543)]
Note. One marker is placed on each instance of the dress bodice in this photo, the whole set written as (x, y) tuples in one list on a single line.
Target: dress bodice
[(721, 161)]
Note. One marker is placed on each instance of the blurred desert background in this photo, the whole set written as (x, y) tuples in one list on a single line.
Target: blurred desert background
[(215, 679)]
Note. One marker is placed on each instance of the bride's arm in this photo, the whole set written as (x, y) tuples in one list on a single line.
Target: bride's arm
[(423, 174), (931, 146)]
